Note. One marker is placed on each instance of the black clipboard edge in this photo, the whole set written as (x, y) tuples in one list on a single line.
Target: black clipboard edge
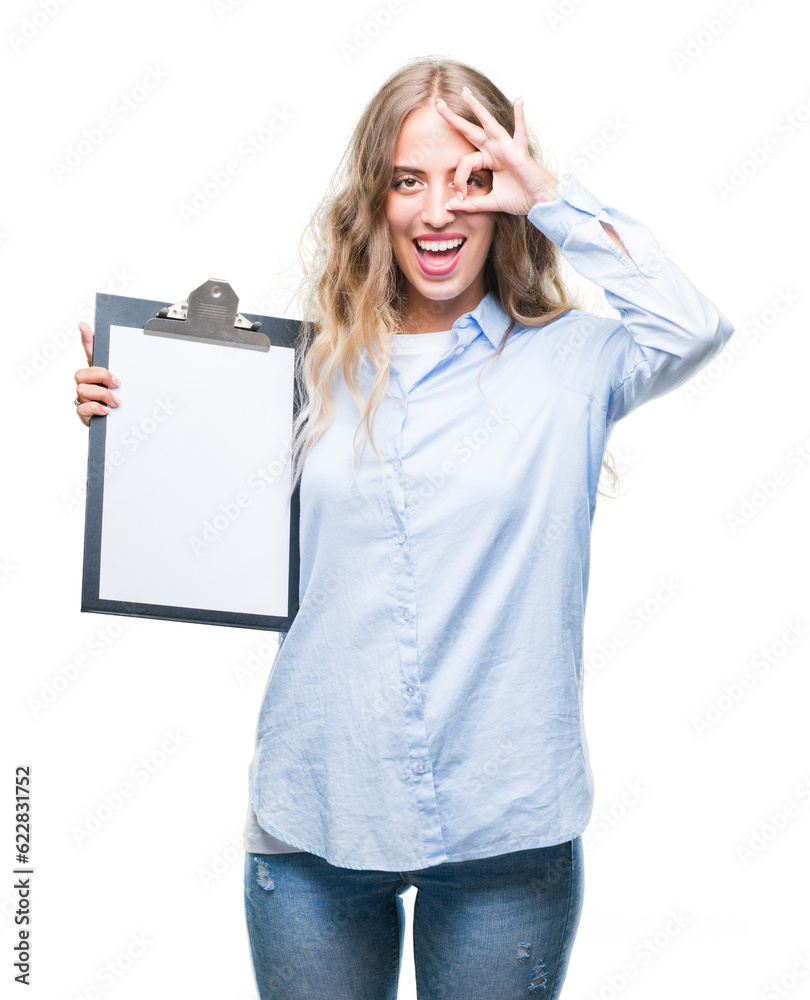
[(195, 616), (128, 311)]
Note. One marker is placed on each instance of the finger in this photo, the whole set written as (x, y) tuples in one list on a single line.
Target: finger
[(520, 125), (490, 123), (87, 341), (88, 393), (472, 133), (96, 374), (483, 203), (87, 410), (466, 165)]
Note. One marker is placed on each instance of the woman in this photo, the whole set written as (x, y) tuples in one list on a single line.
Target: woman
[(423, 721)]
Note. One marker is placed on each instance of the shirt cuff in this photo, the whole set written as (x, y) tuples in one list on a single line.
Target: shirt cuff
[(574, 205)]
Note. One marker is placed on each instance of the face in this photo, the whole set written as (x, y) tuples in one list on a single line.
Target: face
[(440, 284)]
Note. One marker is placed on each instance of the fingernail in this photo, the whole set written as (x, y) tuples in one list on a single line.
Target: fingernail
[(439, 100), (117, 400), (105, 408), (115, 382)]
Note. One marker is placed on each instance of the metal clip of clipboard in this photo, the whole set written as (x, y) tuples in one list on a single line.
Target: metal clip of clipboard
[(209, 315)]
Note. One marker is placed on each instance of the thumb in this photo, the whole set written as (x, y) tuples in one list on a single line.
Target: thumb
[(87, 342)]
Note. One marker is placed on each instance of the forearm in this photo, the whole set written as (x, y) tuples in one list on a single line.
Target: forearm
[(669, 330)]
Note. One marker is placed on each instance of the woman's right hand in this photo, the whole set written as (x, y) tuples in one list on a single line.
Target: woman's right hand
[(93, 384)]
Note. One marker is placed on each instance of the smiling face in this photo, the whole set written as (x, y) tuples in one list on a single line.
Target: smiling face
[(441, 253)]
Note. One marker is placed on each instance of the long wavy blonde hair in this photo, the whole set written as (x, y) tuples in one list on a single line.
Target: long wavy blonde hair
[(351, 296)]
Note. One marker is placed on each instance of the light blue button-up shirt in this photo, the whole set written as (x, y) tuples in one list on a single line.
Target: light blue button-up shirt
[(426, 704)]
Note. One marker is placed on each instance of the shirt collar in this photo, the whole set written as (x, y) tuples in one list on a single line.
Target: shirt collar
[(488, 316)]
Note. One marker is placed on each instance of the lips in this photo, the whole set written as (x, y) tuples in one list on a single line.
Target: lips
[(438, 262)]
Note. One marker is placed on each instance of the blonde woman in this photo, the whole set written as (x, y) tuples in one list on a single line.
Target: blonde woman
[(423, 721)]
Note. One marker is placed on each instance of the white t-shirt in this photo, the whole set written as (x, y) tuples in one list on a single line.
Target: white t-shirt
[(413, 355)]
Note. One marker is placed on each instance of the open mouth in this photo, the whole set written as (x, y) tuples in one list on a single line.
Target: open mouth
[(438, 256)]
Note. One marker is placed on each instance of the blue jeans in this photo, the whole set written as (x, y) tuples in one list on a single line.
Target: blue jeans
[(499, 928)]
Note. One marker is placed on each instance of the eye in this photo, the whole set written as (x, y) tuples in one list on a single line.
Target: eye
[(482, 180), (401, 180)]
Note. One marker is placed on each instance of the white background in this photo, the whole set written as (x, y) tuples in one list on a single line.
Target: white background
[(114, 223)]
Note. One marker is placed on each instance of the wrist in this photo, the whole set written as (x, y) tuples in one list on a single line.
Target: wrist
[(539, 185), (544, 192)]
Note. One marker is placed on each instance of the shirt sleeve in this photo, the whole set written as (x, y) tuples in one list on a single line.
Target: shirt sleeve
[(668, 329)]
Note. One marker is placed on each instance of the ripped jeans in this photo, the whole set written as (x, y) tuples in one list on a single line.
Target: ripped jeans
[(498, 928)]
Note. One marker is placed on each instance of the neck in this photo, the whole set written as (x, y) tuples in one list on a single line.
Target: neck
[(430, 316)]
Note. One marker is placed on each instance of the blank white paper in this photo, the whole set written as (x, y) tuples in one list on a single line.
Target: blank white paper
[(196, 510)]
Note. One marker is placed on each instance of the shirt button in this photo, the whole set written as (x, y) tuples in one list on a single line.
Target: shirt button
[(459, 350), (409, 690), (396, 463), (420, 768), (400, 538), (406, 615)]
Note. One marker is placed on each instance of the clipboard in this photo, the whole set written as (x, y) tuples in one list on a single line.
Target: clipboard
[(189, 515)]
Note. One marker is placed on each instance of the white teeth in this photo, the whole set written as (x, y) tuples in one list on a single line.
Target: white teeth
[(441, 245)]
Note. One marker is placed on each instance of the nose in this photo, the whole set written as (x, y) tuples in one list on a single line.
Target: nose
[(434, 213)]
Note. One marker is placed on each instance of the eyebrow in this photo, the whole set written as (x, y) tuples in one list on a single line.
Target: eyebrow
[(416, 170)]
